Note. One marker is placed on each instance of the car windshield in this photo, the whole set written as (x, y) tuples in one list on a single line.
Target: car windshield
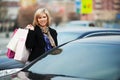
[(97, 61)]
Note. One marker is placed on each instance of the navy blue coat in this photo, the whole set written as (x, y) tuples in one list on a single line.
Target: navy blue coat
[(35, 42)]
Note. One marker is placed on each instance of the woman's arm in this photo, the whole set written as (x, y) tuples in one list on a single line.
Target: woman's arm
[(30, 41)]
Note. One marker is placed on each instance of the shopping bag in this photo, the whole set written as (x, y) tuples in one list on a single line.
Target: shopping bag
[(13, 41), (21, 52), (10, 53)]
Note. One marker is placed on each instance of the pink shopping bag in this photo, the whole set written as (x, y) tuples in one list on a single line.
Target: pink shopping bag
[(10, 53)]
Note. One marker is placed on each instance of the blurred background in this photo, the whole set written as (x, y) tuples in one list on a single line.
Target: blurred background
[(19, 13)]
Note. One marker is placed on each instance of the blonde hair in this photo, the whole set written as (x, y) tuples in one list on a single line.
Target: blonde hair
[(37, 14)]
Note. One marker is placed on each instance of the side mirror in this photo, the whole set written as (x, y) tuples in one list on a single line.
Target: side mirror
[(56, 52)]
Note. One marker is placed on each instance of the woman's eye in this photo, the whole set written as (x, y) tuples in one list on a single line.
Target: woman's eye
[(44, 16), (39, 17)]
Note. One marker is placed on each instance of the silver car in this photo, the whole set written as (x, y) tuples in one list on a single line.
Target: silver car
[(93, 58), (69, 34)]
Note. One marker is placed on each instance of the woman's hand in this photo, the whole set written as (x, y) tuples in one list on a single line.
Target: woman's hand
[(29, 26)]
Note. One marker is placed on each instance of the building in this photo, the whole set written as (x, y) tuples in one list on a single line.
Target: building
[(8, 14), (106, 9), (103, 10), (12, 8)]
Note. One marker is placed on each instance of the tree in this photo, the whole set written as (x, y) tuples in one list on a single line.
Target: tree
[(26, 15), (73, 16)]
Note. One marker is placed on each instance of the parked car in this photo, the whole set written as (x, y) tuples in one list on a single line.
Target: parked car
[(69, 34), (111, 25), (79, 23), (93, 58)]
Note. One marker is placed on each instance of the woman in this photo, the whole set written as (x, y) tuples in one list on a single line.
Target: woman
[(41, 37)]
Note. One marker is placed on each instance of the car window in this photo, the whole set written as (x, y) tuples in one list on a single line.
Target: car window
[(98, 61), (67, 36)]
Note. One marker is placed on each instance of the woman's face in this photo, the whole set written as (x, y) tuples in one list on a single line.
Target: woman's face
[(42, 20)]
